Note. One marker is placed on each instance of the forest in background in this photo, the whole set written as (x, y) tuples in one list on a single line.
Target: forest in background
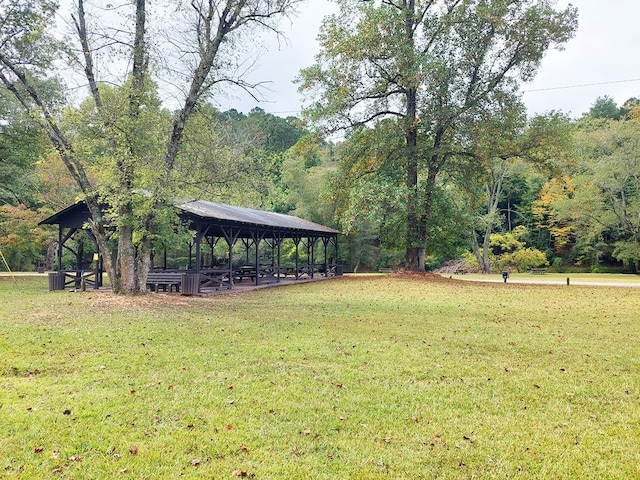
[(577, 208)]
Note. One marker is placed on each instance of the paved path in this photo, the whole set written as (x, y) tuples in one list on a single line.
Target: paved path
[(552, 282)]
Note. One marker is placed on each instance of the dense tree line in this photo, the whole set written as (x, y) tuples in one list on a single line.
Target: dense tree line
[(569, 198), (573, 201)]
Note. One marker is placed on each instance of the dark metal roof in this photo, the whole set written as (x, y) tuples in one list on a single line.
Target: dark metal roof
[(212, 214), (249, 217), (73, 216)]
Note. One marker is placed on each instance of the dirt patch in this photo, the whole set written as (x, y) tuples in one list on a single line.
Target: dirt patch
[(107, 299)]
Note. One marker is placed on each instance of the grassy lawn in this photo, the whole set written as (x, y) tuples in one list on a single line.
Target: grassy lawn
[(371, 377)]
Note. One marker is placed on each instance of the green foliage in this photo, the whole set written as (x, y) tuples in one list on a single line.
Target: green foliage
[(606, 201), (556, 263), (22, 143), (523, 259), (25, 35), (628, 253), (508, 242), (308, 168), (605, 107), (509, 251), (470, 260)]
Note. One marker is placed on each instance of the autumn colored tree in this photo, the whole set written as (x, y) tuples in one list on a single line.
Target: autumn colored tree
[(432, 66), (562, 231), (20, 242)]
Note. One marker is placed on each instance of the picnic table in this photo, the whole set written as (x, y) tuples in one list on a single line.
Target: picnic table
[(538, 271), (216, 277), (77, 279)]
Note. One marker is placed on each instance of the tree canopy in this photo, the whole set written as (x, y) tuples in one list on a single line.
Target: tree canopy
[(435, 68)]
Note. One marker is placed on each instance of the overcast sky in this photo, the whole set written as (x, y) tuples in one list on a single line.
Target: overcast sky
[(602, 59)]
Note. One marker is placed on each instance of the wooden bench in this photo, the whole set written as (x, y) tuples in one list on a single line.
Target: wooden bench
[(386, 270), (538, 271), (166, 281)]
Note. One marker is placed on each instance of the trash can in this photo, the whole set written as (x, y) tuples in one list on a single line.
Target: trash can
[(190, 283), (339, 270), (56, 281), (505, 275)]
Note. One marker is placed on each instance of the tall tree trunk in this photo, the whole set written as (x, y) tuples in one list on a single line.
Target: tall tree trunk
[(415, 238), (414, 258)]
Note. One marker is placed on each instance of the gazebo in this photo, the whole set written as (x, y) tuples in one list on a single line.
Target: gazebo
[(210, 222)]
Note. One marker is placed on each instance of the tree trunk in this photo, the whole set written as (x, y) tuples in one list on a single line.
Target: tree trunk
[(482, 256), (415, 233), (414, 259), (133, 262), (486, 264), (50, 256)]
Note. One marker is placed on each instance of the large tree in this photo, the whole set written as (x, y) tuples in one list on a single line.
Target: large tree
[(435, 66), (196, 47)]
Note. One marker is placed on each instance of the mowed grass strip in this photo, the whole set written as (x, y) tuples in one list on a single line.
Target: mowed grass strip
[(360, 377)]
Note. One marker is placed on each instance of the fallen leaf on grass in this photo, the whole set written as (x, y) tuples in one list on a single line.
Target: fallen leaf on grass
[(244, 448), (38, 450), (133, 450), (229, 427), (306, 431), (239, 473), (195, 462)]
